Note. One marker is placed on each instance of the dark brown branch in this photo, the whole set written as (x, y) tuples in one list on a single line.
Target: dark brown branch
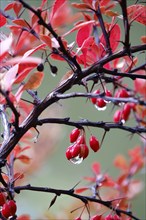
[(123, 5), (96, 66), (5, 123), (84, 199), (84, 122), (127, 75), (141, 67), (105, 34), (12, 107), (107, 98)]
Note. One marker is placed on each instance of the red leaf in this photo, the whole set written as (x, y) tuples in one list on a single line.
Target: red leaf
[(34, 81), (24, 62), (21, 22), (90, 50), (24, 159), (83, 34), (3, 20), (46, 39), (143, 39), (140, 84), (137, 13), (61, 14), (22, 75), (25, 148), (9, 78), (4, 47), (43, 3), (16, 6), (96, 168), (121, 162), (114, 36), (23, 217), (18, 176), (9, 6), (80, 190), (80, 6), (78, 26), (57, 4), (57, 57), (30, 52)]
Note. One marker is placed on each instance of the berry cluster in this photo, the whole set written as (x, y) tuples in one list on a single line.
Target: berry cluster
[(100, 103), (8, 207), (78, 150), (120, 115)]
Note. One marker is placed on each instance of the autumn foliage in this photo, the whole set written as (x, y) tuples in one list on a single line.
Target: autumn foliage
[(93, 39)]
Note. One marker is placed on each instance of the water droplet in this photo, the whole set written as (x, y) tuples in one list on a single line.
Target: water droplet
[(123, 121), (35, 139), (76, 160), (100, 109), (107, 101)]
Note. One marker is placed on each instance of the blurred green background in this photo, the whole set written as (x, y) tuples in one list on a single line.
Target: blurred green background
[(56, 171)]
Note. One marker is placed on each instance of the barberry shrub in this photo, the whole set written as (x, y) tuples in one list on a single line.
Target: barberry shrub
[(92, 53)]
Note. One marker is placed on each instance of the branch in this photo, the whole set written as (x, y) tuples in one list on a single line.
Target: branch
[(101, 95), (84, 122), (72, 61), (123, 5), (84, 199), (5, 123), (12, 107), (96, 66), (105, 34), (127, 75), (141, 67)]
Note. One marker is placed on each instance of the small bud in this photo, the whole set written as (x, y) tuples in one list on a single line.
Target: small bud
[(54, 70), (40, 67)]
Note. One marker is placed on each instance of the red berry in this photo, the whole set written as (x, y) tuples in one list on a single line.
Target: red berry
[(96, 217), (9, 209), (93, 100), (126, 111), (84, 151), (78, 218), (68, 153), (122, 93), (117, 116), (100, 103), (74, 135), (81, 139), (2, 199), (75, 150), (112, 217), (94, 143), (108, 93)]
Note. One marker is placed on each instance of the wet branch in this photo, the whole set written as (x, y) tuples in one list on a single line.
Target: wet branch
[(101, 95), (107, 126), (70, 192)]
